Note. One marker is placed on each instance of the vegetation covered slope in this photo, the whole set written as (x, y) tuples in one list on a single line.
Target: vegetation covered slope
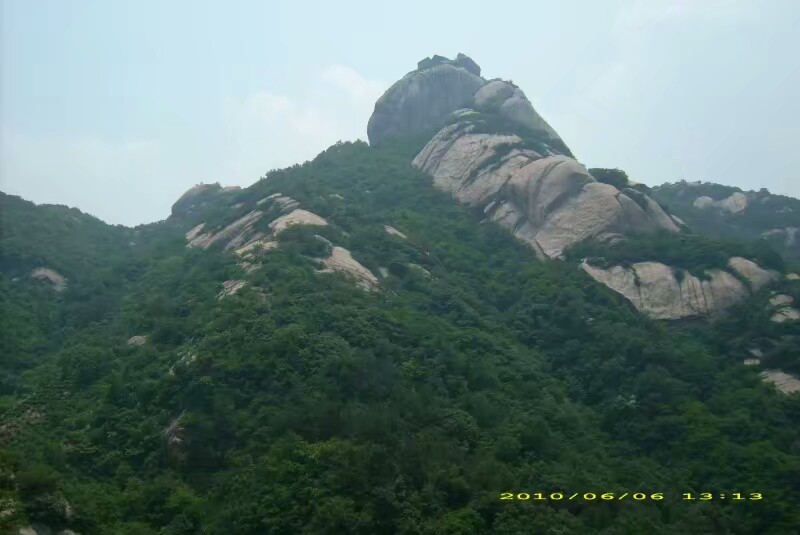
[(304, 405), (767, 216)]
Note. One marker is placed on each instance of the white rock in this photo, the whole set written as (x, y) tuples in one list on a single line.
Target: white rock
[(792, 277), (137, 340), (394, 232), (782, 315), (653, 288), (192, 234), (234, 234), (783, 382), (755, 274), (733, 204), (781, 300), (550, 203), (296, 217), (56, 279), (231, 287), (259, 242), (341, 261)]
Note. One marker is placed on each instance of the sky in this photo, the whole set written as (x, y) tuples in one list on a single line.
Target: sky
[(118, 107)]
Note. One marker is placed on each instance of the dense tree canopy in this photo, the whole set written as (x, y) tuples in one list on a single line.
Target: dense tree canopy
[(305, 405)]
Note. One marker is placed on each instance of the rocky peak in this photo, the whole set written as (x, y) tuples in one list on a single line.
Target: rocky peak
[(423, 98), (462, 60)]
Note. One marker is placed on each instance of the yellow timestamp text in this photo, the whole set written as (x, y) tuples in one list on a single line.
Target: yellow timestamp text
[(635, 496)]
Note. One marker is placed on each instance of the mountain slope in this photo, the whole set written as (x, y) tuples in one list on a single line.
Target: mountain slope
[(304, 404), (730, 213)]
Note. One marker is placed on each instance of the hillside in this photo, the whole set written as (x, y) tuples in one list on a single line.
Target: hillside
[(349, 346), (726, 212)]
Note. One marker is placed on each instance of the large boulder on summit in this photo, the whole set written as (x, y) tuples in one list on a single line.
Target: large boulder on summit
[(423, 98)]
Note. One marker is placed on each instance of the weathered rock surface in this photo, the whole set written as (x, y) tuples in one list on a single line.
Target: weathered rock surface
[(195, 198), (656, 290), (733, 204), (195, 231), (423, 98), (231, 287), (56, 279), (341, 261), (511, 103), (780, 300), (752, 272), (234, 234), (783, 382), (549, 202), (784, 314), (137, 340), (296, 217), (394, 232)]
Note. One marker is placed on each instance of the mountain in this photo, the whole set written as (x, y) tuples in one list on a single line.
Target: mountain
[(727, 212), (362, 344)]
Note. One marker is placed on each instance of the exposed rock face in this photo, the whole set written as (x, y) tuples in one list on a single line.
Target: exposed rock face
[(733, 204), (782, 315), (783, 382), (424, 98), (195, 198), (231, 287), (512, 104), (784, 311), (56, 279), (655, 289), (755, 274), (549, 202), (421, 100), (341, 261), (234, 234), (137, 340), (195, 232), (296, 217), (394, 232), (781, 300)]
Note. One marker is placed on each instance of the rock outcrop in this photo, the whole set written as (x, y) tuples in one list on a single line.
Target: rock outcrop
[(494, 153), (394, 232), (231, 287), (57, 281), (783, 382), (137, 340), (195, 199), (508, 101), (341, 261), (525, 181), (548, 201), (660, 292), (423, 98), (732, 204), (783, 311)]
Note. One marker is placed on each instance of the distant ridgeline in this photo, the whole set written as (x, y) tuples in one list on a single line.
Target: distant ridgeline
[(341, 348)]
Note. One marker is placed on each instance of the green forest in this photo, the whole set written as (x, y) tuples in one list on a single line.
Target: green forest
[(304, 405)]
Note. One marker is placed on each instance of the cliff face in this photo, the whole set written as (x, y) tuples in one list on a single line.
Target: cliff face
[(660, 292), (494, 152)]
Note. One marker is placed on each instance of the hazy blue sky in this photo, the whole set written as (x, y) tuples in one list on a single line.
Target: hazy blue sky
[(117, 106)]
